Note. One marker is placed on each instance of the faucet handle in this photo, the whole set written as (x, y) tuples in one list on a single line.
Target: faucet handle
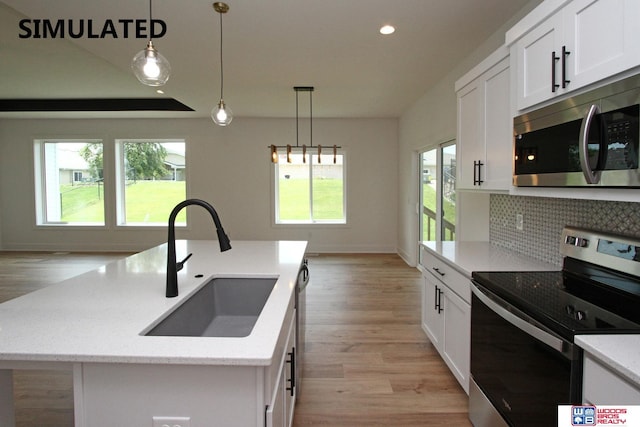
[(180, 264)]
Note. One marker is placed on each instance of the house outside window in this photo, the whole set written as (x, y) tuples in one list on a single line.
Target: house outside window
[(69, 190), (151, 179), (311, 192)]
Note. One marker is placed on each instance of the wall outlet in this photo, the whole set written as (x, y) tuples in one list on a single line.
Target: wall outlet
[(171, 421), (519, 222)]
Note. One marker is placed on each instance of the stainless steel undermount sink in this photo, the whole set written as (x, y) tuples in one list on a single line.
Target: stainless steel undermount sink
[(223, 307)]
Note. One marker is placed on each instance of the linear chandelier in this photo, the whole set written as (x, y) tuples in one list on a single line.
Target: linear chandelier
[(289, 148)]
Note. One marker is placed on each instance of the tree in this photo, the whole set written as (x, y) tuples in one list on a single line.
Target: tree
[(92, 154), (143, 160)]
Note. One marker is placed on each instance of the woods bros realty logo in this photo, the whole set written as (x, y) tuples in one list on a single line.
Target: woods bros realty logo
[(79, 28), (591, 415)]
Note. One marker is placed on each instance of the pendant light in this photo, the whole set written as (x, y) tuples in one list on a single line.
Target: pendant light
[(221, 114), (149, 66)]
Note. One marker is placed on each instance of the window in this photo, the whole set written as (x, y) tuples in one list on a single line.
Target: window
[(438, 193), (151, 180), (310, 192), (69, 185)]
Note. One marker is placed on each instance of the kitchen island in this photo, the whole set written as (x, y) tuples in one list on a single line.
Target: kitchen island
[(94, 324)]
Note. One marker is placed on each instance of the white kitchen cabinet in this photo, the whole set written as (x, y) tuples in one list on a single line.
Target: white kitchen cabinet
[(210, 395), (279, 413), (446, 316), (602, 386), (484, 136), (582, 43)]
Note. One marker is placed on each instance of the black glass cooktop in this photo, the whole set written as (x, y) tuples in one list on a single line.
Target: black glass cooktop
[(580, 299)]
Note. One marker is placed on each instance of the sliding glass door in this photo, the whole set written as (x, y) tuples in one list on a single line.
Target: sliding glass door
[(438, 192)]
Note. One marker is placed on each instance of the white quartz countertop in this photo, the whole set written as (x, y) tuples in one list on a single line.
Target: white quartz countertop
[(468, 257), (99, 316), (621, 353)]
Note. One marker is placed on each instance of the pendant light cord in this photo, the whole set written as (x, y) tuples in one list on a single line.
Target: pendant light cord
[(311, 118), (221, 64), (150, 21)]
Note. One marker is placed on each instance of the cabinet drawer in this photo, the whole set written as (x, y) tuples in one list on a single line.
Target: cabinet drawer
[(452, 278), (601, 386)]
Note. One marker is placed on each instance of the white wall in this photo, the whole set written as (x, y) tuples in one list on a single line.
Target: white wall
[(429, 122), (229, 167)]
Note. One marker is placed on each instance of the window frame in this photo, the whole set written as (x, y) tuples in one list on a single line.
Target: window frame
[(40, 183), (120, 213), (311, 161)]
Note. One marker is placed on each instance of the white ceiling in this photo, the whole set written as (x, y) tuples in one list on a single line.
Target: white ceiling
[(269, 47)]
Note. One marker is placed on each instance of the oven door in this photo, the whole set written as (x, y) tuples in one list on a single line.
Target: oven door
[(520, 370)]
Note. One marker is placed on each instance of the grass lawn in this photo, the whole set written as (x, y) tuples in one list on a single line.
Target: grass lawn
[(146, 202), (429, 200), (294, 199)]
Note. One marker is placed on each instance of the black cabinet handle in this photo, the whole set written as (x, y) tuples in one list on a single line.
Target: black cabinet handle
[(565, 53), (435, 297), (440, 301), (477, 172), (554, 58), (292, 366), (437, 270)]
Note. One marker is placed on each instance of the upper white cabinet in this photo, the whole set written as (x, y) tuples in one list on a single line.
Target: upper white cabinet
[(583, 42), (484, 136)]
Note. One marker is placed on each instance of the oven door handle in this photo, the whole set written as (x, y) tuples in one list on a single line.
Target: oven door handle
[(518, 322)]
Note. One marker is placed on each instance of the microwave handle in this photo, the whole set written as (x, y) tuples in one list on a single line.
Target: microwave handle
[(592, 177)]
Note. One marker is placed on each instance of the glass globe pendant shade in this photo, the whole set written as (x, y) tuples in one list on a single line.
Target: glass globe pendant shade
[(221, 114), (150, 67)]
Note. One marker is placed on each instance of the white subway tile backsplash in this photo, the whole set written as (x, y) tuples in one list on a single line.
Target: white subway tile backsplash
[(543, 219)]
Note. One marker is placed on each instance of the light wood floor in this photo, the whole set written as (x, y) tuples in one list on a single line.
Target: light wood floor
[(367, 361)]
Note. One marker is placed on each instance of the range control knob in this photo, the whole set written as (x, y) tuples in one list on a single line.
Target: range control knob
[(570, 310), (580, 315)]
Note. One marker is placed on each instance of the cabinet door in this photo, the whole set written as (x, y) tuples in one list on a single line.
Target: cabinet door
[(290, 380), (432, 321), (456, 350), (470, 145), (279, 413), (275, 415), (498, 129), (535, 64), (602, 38), (602, 386)]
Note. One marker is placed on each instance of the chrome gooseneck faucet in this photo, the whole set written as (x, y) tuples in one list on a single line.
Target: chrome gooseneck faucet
[(172, 265)]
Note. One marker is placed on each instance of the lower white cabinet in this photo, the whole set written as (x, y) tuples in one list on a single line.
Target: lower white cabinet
[(279, 413), (209, 395), (602, 386), (446, 319)]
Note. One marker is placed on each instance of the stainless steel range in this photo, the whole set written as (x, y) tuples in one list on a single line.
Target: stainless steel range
[(524, 362)]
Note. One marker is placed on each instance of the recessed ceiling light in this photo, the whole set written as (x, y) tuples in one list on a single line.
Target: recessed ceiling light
[(387, 29)]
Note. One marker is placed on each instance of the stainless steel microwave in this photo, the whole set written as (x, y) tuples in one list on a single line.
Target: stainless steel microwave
[(589, 140)]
